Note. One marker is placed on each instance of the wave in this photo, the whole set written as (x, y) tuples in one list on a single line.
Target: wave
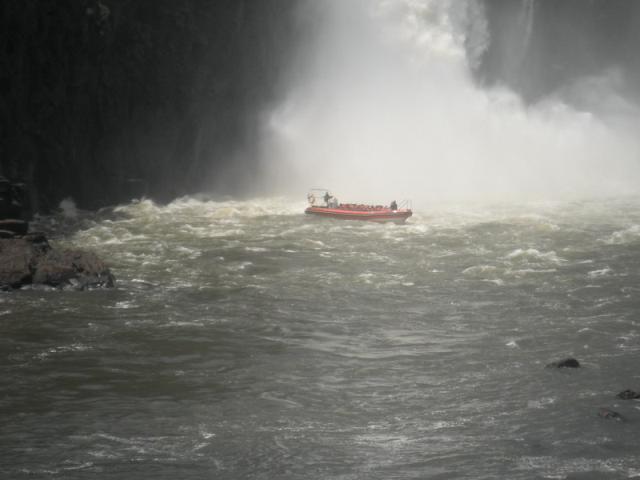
[(532, 254), (627, 235), (199, 205)]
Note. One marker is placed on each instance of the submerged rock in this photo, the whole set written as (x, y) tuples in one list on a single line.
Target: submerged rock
[(628, 395), (566, 363), (30, 260), (609, 414)]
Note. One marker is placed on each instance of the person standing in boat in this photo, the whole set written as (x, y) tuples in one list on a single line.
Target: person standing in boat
[(394, 205), (330, 200)]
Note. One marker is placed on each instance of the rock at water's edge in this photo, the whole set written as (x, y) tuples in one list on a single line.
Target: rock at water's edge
[(75, 268), (31, 260), (18, 259)]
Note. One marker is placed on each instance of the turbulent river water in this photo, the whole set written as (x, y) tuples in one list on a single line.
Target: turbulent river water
[(245, 340)]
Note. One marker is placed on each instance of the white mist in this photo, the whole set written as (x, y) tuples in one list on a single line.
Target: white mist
[(381, 105)]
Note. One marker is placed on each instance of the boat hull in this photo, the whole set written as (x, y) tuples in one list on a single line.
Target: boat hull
[(380, 216)]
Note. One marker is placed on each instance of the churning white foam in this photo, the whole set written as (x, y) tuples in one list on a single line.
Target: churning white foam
[(381, 104)]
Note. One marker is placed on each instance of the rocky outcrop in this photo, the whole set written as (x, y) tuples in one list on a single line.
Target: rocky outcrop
[(30, 260), (27, 258), (74, 268), (19, 258), (565, 363)]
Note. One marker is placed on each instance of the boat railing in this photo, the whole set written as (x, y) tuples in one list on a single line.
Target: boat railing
[(405, 205), (315, 197)]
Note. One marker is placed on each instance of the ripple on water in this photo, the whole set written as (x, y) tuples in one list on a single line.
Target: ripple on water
[(603, 272), (60, 349), (620, 237), (553, 467), (532, 254)]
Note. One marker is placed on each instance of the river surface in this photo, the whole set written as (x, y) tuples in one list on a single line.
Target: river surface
[(246, 340)]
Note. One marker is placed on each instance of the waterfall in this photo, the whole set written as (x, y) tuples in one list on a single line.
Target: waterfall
[(382, 103), (519, 38), (527, 20)]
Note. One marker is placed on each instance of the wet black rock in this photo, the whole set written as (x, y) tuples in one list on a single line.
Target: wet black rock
[(13, 212), (628, 395), (72, 268), (29, 259), (609, 414), (566, 363), (18, 260), (14, 227), (13, 204)]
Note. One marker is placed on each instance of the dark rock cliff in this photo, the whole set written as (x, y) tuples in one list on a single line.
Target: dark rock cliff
[(107, 100)]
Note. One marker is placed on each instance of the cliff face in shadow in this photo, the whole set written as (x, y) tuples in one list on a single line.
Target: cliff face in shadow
[(538, 47), (105, 100)]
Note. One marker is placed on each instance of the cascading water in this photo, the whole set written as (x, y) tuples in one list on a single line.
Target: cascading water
[(382, 103), (514, 54)]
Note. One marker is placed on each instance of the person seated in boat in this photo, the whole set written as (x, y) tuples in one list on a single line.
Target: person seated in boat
[(311, 198), (394, 205), (333, 202)]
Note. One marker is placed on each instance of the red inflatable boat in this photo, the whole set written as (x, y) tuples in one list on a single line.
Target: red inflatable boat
[(326, 205)]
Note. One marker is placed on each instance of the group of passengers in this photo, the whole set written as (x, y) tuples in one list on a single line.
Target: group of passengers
[(332, 202), (367, 208)]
